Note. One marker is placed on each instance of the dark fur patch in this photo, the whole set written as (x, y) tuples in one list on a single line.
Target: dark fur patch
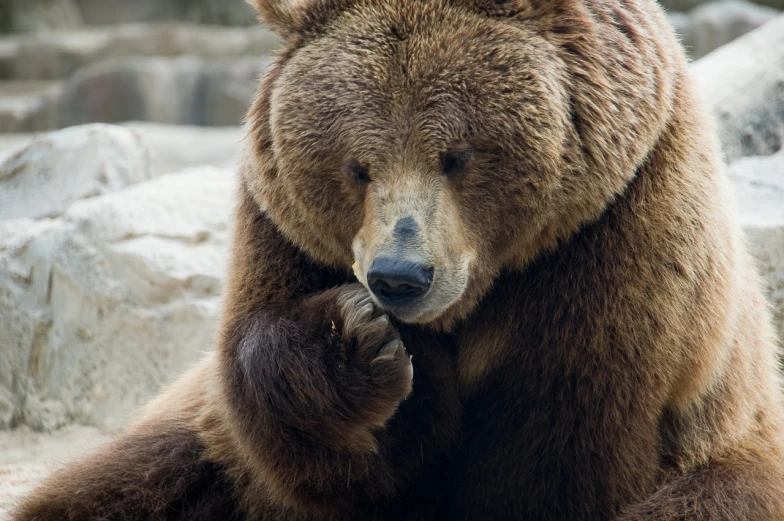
[(154, 476)]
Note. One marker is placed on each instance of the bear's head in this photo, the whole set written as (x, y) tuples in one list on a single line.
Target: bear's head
[(429, 145)]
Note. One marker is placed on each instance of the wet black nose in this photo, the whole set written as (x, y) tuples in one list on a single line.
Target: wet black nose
[(397, 281)]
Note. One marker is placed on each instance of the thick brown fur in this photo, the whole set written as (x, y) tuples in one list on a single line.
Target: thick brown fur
[(594, 345)]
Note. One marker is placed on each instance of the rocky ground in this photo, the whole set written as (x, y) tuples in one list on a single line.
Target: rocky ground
[(113, 237), (27, 456)]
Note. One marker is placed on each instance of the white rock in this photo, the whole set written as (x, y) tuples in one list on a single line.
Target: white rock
[(45, 177), (176, 147), (170, 148), (758, 183), (26, 457), (743, 83), (101, 306), (717, 23), (686, 5)]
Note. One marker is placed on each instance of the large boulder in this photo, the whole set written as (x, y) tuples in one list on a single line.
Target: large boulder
[(758, 183), (10, 144), (186, 90), (743, 84), (58, 54), (172, 148), (98, 159), (110, 270), (168, 148), (102, 305), (717, 23)]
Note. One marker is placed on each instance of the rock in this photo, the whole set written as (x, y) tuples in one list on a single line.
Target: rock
[(16, 111), (228, 12), (743, 84), (681, 23), (184, 90), (105, 12), (758, 183), (687, 5), (54, 170), (681, 5), (717, 23), (174, 148), (27, 457), (102, 305), (38, 15), (117, 288), (10, 144), (58, 54), (169, 148), (18, 98)]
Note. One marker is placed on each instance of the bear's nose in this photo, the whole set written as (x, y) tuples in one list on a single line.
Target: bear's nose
[(397, 281)]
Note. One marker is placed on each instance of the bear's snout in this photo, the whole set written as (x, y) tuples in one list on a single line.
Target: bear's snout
[(398, 282)]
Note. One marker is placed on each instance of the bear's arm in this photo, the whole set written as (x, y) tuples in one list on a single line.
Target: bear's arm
[(323, 417)]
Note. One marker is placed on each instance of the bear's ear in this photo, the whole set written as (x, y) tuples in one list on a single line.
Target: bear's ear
[(289, 17)]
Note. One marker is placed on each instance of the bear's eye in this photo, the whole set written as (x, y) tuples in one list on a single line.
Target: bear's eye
[(356, 172), (455, 160)]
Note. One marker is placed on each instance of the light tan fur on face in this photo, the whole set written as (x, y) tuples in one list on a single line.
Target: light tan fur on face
[(439, 242)]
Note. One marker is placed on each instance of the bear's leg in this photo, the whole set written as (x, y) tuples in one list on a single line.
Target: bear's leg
[(742, 490), (150, 475)]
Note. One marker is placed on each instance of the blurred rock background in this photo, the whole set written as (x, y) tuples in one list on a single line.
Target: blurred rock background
[(119, 134)]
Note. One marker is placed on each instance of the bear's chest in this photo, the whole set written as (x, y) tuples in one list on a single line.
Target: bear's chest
[(555, 421)]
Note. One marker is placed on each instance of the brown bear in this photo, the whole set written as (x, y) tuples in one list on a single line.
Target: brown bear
[(485, 267)]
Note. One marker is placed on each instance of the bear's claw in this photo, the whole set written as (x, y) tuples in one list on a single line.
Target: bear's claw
[(377, 340), (392, 351)]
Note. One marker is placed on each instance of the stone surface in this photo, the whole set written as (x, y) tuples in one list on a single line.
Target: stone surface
[(173, 148), (54, 170), (185, 90), (38, 15), (686, 5), (681, 5), (743, 84), (10, 144), (758, 184), (229, 12), (102, 305), (26, 457), (58, 54), (717, 23), (143, 264), (169, 148)]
